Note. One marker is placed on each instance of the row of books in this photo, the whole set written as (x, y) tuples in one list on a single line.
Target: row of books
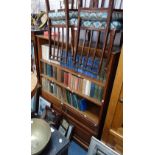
[(80, 66), (83, 86), (65, 95)]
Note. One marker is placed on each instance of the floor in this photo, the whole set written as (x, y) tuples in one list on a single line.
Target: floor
[(76, 149)]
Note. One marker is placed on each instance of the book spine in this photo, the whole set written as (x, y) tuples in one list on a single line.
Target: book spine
[(42, 52), (87, 88), (92, 89), (76, 83), (84, 86), (66, 78), (48, 70), (96, 91), (80, 86), (69, 80), (51, 87), (58, 75)]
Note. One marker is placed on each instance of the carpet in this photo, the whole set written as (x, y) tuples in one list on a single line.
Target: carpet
[(76, 149)]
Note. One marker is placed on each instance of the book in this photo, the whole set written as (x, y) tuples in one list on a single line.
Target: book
[(48, 85), (68, 97), (44, 68), (45, 52), (83, 104), (66, 78), (80, 85), (52, 87), (87, 87), (58, 75), (92, 89), (76, 83), (96, 91), (55, 90), (62, 76), (69, 80), (84, 86), (75, 101), (49, 70), (54, 72), (71, 99)]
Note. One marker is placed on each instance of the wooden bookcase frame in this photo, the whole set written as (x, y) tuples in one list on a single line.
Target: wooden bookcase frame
[(95, 123)]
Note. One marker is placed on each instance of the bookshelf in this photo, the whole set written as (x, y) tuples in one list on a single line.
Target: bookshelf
[(89, 122)]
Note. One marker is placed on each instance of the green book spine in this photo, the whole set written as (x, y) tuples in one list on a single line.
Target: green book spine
[(68, 97), (75, 101)]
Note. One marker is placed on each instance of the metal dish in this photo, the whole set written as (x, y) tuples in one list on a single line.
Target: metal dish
[(40, 135)]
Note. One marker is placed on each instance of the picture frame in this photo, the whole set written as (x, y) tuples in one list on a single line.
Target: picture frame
[(62, 130), (42, 104), (97, 147), (65, 124)]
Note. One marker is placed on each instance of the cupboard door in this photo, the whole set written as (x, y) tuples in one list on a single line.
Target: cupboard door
[(118, 116), (113, 128)]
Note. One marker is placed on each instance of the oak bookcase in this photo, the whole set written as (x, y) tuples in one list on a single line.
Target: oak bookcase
[(87, 123)]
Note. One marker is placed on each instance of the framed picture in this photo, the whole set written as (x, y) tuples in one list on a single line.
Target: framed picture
[(65, 124), (97, 147), (62, 130), (42, 104)]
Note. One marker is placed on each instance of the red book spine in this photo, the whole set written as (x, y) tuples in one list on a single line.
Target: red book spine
[(66, 78)]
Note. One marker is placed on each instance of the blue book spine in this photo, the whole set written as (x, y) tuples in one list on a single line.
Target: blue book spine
[(83, 105), (92, 90), (48, 70)]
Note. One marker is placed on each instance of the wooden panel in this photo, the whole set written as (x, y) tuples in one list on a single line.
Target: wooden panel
[(113, 128), (80, 134), (118, 116), (82, 118), (84, 129)]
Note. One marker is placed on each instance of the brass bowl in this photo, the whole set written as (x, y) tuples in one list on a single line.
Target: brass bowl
[(40, 135)]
